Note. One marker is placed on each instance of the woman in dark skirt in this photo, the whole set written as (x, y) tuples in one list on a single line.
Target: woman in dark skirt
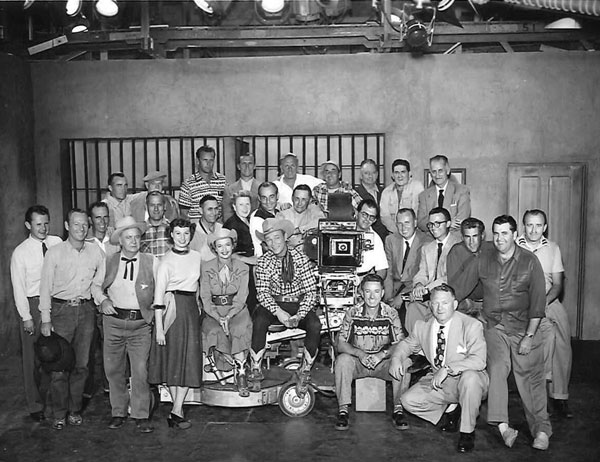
[(227, 327), (176, 357)]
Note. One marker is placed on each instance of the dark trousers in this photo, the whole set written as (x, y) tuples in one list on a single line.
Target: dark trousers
[(76, 325), (263, 318), (96, 360), (32, 374)]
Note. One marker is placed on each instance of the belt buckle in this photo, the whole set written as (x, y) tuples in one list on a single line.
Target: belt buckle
[(73, 302), (132, 315), (224, 299)]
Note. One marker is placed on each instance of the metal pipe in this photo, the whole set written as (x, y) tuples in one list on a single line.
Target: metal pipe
[(586, 7)]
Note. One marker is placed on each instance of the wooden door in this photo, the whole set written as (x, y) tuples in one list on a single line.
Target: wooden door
[(559, 190)]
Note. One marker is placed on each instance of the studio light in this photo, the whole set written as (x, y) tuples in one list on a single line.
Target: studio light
[(73, 7), (213, 7), (334, 8), (27, 4), (108, 8), (272, 11), (80, 24)]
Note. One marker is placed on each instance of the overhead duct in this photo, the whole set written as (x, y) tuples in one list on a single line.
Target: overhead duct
[(586, 7)]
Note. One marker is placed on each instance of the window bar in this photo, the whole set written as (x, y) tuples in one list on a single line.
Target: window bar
[(156, 153), (73, 176), (353, 155), (86, 181), (379, 178), (120, 155), (133, 155), (109, 153), (169, 166), (97, 160), (180, 161)]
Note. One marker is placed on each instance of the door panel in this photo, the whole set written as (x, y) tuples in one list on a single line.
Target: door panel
[(559, 190)]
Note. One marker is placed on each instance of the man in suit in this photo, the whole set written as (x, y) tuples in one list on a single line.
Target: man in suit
[(128, 291), (403, 253), (454, 345), (369, 189), (247, 182), (432, 267), (445, 193)]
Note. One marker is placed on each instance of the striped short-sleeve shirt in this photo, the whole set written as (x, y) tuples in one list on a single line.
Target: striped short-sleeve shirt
[(195, 188)]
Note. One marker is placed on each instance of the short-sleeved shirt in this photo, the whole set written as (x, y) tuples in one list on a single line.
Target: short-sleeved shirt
[(549, 255), (371, 334), (195, 188)]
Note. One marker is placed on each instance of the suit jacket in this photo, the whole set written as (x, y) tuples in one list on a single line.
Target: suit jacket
[(457, 200), (427, 266), (465, 344), (400, 279), (233, 189), (144, 282)]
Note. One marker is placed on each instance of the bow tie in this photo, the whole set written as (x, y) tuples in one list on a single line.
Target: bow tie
[(128, 264)]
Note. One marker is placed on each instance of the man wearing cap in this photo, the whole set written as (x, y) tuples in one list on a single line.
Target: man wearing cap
[(128, 291), (286, 292), (247, 182), (72, 274), (290, 178), (118, 198), (25, 273), (155, 240), (446, 193), (268, 195), (154, 181), (204, 182), (332, 175), (304, 215)]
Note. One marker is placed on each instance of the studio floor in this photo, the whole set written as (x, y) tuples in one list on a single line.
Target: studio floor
[(265, 434)]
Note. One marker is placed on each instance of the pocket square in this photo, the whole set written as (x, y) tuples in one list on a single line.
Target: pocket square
[(461, 350), (143, 286)]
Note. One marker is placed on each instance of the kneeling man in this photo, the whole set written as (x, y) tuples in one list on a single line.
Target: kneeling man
[(368, 331), (455, 346)]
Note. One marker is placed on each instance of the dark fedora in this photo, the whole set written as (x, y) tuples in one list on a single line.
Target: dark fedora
[(55, 353)]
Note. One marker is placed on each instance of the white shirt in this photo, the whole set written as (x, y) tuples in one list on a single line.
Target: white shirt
[(122, 291), (246, 185), (374, 258), (26, 271), (285, 192)]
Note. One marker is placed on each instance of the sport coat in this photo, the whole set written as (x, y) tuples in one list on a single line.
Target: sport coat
[(457, 200), (465, 344), (235, 188), (427, 266), (399, 279)]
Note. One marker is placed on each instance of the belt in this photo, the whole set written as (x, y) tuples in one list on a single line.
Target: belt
[(183, 292), (131, 315), (71, 302), (286, 298), (223, 300), (35, 297)]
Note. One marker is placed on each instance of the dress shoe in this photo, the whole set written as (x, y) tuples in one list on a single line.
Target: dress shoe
[(75, 419), (561, 409), (450, 421), (343, 421), (178, 422), (419, 364), (509, 436), (466, 442), (37, 416), (144, 426), (541, 441), (59, 424), (116, 422), (399, 421)]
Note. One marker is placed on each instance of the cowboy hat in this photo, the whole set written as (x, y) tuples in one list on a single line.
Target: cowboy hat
[(124, 224), (55, 353), (154, 176), (276, 224), (221, 233)]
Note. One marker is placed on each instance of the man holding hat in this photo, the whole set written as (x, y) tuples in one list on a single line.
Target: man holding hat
[(72, 274), (287, 293), (332, 175), (154, 181), (128, 291)]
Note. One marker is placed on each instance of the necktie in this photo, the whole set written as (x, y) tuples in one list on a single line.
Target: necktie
[(287, 268), (399, 191), (440, 348), (406, 250), (44, 249), (128, 264), (437, 261), (441, 198)]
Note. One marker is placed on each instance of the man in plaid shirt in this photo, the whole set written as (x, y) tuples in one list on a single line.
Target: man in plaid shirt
[(333, 184), (287, 293), (156, 238)]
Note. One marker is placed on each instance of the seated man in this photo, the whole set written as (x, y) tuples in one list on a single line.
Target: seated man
[(367, 333), (267, 198), (462, 262), (432, 268), (303, 214), (287, 292), (455, 346), (403, 254), (374, 260)]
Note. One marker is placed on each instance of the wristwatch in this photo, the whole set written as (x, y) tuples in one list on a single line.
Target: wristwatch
[(529, 334)]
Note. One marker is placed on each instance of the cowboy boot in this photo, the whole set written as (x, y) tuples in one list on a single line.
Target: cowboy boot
[(256, 375), (304, 374), (241, 381)]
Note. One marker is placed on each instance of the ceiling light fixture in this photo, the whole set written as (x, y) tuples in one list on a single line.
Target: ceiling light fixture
[(272, 12), (108, 8), (73, 7)]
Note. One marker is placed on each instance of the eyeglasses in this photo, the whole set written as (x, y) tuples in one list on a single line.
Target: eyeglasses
[(368, 216), (435, 224)]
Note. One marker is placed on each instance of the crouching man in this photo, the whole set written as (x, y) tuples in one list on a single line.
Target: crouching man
[(455, 346), (368, 331)]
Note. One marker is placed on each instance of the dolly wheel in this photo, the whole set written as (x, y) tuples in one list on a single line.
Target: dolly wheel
[(294, 406)]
